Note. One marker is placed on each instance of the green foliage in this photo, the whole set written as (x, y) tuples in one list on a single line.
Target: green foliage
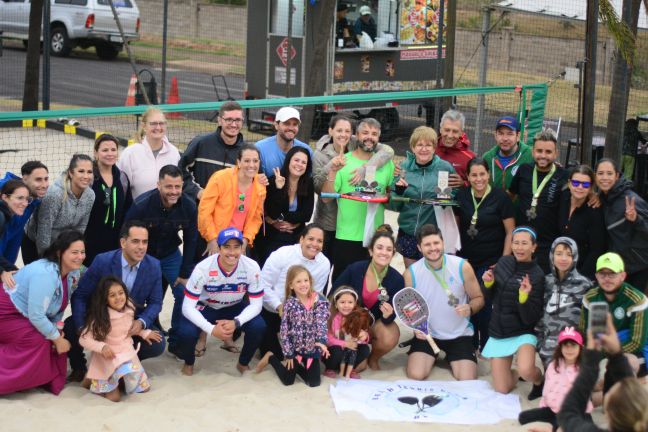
[(621, 33)]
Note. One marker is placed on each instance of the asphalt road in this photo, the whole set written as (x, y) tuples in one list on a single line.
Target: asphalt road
[(96, 83)]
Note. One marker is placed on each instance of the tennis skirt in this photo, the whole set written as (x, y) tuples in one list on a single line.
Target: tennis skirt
[(508, 346)]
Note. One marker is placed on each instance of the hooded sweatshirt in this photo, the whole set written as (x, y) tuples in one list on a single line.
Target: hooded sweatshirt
[(5, 219), (562, 301), (458, 155), (60, 210), (628, 239)]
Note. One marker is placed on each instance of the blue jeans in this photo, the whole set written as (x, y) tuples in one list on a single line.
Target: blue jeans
[(187, 333), (170, 266)]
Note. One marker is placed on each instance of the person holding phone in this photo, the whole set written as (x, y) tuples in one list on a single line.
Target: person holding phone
[(626, 402), (626, 304)]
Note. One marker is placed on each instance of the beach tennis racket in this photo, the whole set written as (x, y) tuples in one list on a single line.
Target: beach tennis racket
[(412, 310), (429, 201), (358, 196)]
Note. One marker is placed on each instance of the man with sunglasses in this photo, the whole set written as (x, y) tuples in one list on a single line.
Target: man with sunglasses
[(166, 211), (538, 188), (626, 304)]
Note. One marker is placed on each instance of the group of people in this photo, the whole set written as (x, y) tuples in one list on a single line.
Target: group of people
[(511, 270)]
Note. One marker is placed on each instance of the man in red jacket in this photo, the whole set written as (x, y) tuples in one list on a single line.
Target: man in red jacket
[(454, 146)]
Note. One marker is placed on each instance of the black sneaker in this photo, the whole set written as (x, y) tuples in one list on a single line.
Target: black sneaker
[(536, 391)]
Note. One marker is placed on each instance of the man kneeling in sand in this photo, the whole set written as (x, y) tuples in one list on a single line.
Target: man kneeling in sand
[(215, 302)]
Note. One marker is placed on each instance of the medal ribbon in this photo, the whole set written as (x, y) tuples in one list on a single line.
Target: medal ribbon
[(476, 204), (379, 276), (441, 280), (537, 190)]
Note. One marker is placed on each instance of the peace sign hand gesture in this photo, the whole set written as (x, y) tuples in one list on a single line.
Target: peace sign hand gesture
[(280, 180), (630, 210), (525, 285)]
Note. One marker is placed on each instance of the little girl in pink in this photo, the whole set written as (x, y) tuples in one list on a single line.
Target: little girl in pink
[(558, 380), (110, 317)]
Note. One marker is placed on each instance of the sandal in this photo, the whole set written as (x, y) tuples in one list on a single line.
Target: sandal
[(231, 348), (199, 352), (354, 375), (330, 373)]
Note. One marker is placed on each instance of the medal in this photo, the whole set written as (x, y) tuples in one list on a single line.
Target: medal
[(472, 231), (531, 213), (383, 296), (452, 300), (537, 190)]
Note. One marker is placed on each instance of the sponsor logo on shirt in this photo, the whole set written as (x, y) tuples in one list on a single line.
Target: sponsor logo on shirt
[(213, 272)]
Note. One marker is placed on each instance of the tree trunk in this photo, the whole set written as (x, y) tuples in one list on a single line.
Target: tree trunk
[(620, 85), (315, 79), (32, 62)]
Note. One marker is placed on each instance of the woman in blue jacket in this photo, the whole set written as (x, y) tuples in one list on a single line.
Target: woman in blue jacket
[(14, 199), (32, 348)]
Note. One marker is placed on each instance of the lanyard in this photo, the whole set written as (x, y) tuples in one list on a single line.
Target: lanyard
[(113, 201), (452, 300), (476, 204), (379, 276), (537, 190)]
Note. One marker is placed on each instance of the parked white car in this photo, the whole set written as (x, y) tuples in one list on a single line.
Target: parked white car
[(82, 23)]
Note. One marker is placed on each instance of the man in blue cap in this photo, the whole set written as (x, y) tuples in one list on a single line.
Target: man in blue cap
[(215, 302), (508, 154)]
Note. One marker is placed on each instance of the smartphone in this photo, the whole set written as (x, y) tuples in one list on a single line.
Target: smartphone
[(597, 321)]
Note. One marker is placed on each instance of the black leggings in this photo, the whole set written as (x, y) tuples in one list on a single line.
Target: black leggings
[(539, 415), (311, 375), (337, 355)]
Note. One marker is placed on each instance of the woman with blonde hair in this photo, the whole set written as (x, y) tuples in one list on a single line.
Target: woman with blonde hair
[(142, 161), (419, 178), (65, 206)]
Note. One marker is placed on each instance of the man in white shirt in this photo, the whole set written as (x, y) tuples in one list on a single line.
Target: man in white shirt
[(215, 302)]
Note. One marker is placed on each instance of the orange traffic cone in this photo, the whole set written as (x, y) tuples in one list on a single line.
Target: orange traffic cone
[(130, 97), (174, 98)]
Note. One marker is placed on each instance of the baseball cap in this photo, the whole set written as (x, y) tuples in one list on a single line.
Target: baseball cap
[(229, 234), (287, 113), (365, 10), (508, 122), (568, 333), (610, 261)]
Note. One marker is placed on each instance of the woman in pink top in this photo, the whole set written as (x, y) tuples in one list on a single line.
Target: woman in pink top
[(106, 334), (142, 161), (559, 377)]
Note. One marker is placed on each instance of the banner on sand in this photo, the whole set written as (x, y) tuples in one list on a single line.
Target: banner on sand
[(457, 402)]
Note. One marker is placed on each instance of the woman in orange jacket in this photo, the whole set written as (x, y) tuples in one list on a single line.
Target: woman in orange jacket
[(233, 197)]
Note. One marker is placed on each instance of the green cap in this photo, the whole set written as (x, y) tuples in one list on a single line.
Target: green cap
[(610, 261)]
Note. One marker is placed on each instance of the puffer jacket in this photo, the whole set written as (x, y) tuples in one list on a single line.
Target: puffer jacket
[(628, 239), (562, 301), (458, 155), (422, 183), (510, 317)]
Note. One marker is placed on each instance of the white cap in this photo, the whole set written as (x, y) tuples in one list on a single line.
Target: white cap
[(365, 10), (287, 113)]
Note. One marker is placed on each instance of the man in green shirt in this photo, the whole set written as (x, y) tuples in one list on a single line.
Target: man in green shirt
[(351, 216), (508, 154), (626, 304)]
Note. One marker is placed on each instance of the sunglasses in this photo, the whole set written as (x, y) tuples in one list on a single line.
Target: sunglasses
[(241, 206), (578, 183)]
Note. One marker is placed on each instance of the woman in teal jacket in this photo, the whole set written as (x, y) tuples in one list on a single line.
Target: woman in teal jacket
[(419, 177)]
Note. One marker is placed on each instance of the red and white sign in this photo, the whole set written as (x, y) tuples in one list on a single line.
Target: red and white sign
[(282, 51), (420, 54)]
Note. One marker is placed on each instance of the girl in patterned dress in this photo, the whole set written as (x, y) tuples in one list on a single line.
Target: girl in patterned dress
[(106, 334), (302, 334)]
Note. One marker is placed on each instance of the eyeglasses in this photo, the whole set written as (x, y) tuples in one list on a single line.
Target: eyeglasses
[(156, 124), (241, 206), (606, 275), (230, 121), (578, 183), (27, 198)]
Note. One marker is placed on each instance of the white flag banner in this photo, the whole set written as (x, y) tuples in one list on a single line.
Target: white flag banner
[(456, 402)]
